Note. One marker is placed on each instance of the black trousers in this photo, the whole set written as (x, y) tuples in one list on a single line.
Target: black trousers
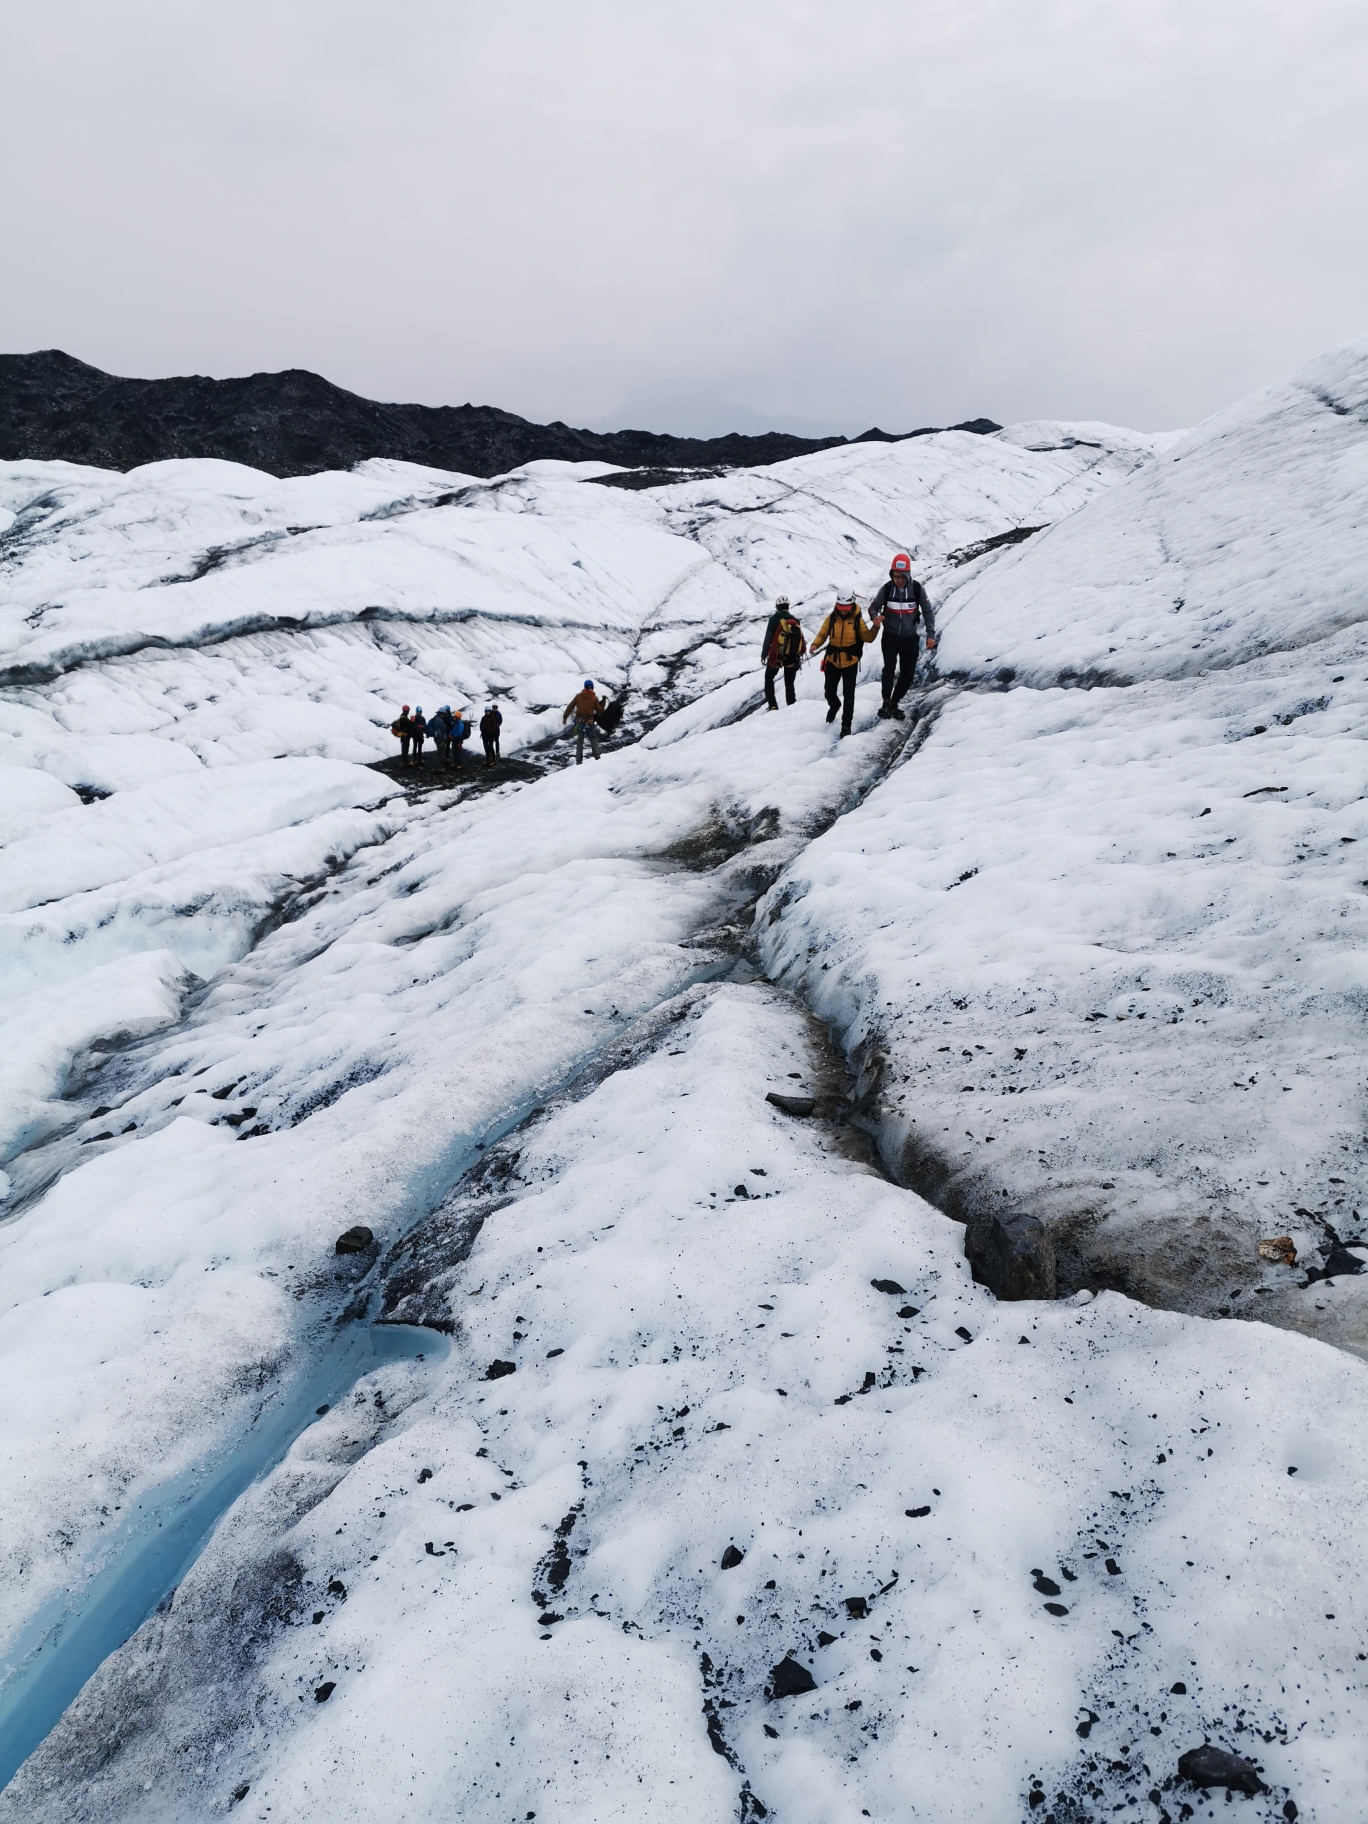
[(771, 672), (900, 663), (840, 691)]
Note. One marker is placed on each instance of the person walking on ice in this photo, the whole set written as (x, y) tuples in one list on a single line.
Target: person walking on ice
[(904, 605), (585, 707), (782, 649), (490, 724), (845, 635)]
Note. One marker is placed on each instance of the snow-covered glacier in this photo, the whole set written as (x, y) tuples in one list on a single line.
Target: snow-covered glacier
[(569, 1496)]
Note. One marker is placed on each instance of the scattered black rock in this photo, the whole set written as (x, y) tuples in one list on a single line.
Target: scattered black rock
[(890, 1286), (917, 1513), (1046, 1585), (792, 1105), (424, 1475), (731, 1558), (1338, 1262), (320, 1410), (909, 1310), (961, 1331), (549, 1619), (789, 1679), (1055, 1608), (826, 1640), (1113, 1568), (739, 1190), (1178, 1690), (355, 1241), (1085, 1727), (1013, 1256), (1210, 1766), (551, 1354), (856, 1607), (497, 1370), (325, 1691), (337, 1588), (869, 1380), (239, 1794), (773, 1733)]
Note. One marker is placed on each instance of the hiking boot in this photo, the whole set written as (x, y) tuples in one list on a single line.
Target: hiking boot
[(845, 732), (832, 713), (885, 709), (771, 706), (893, 711)]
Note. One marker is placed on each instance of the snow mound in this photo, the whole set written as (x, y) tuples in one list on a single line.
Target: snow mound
[(1101, 951), (1246, 537)]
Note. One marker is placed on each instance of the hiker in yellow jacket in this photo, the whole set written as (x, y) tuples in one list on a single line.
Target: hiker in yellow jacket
[(845, 635)]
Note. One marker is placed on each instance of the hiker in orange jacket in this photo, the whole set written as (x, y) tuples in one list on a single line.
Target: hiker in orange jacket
[(845, 635), (585, 707)]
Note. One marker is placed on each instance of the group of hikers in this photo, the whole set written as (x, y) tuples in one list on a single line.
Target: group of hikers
[(900, 608), (448, 730)]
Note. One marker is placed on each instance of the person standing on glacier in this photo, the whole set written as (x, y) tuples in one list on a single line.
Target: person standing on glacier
[(845, 636), (904, 605), (402, 728), (419, 725), (585, 706), (440, 730), (490, 724), (782, 649)]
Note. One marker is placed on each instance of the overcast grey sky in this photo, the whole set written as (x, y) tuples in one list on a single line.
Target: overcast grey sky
[(892, 211)]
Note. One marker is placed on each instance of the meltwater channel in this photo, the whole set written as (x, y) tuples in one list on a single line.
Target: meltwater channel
[(156, 1544)]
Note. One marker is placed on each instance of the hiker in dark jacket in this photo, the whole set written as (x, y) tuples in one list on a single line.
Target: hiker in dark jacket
[(440, 730), (904, 605), (419, 731), (782, 650), (402, 726), (845, 636), (584, 706), (490, 724)]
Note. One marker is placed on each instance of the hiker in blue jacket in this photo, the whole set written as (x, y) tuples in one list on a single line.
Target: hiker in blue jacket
[(440, 730)]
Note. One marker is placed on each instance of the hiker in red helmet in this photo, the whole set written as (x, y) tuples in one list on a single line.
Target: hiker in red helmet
[(904, 605)]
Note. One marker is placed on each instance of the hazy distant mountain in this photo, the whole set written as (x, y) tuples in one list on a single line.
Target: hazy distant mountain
[(706, 415)]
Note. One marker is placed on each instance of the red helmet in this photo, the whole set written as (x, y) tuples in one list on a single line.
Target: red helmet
[(901, 565)]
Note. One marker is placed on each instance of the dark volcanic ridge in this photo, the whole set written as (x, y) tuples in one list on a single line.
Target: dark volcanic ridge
[(54, 408)]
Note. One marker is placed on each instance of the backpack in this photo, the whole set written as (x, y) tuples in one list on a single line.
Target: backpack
[(786, 648)]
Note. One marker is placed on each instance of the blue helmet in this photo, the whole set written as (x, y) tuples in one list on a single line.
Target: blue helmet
[(588, 683)]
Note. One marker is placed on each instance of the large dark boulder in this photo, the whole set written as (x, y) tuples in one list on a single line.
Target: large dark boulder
[(1013, 1256), (790, 1678), (1209, 1766)]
